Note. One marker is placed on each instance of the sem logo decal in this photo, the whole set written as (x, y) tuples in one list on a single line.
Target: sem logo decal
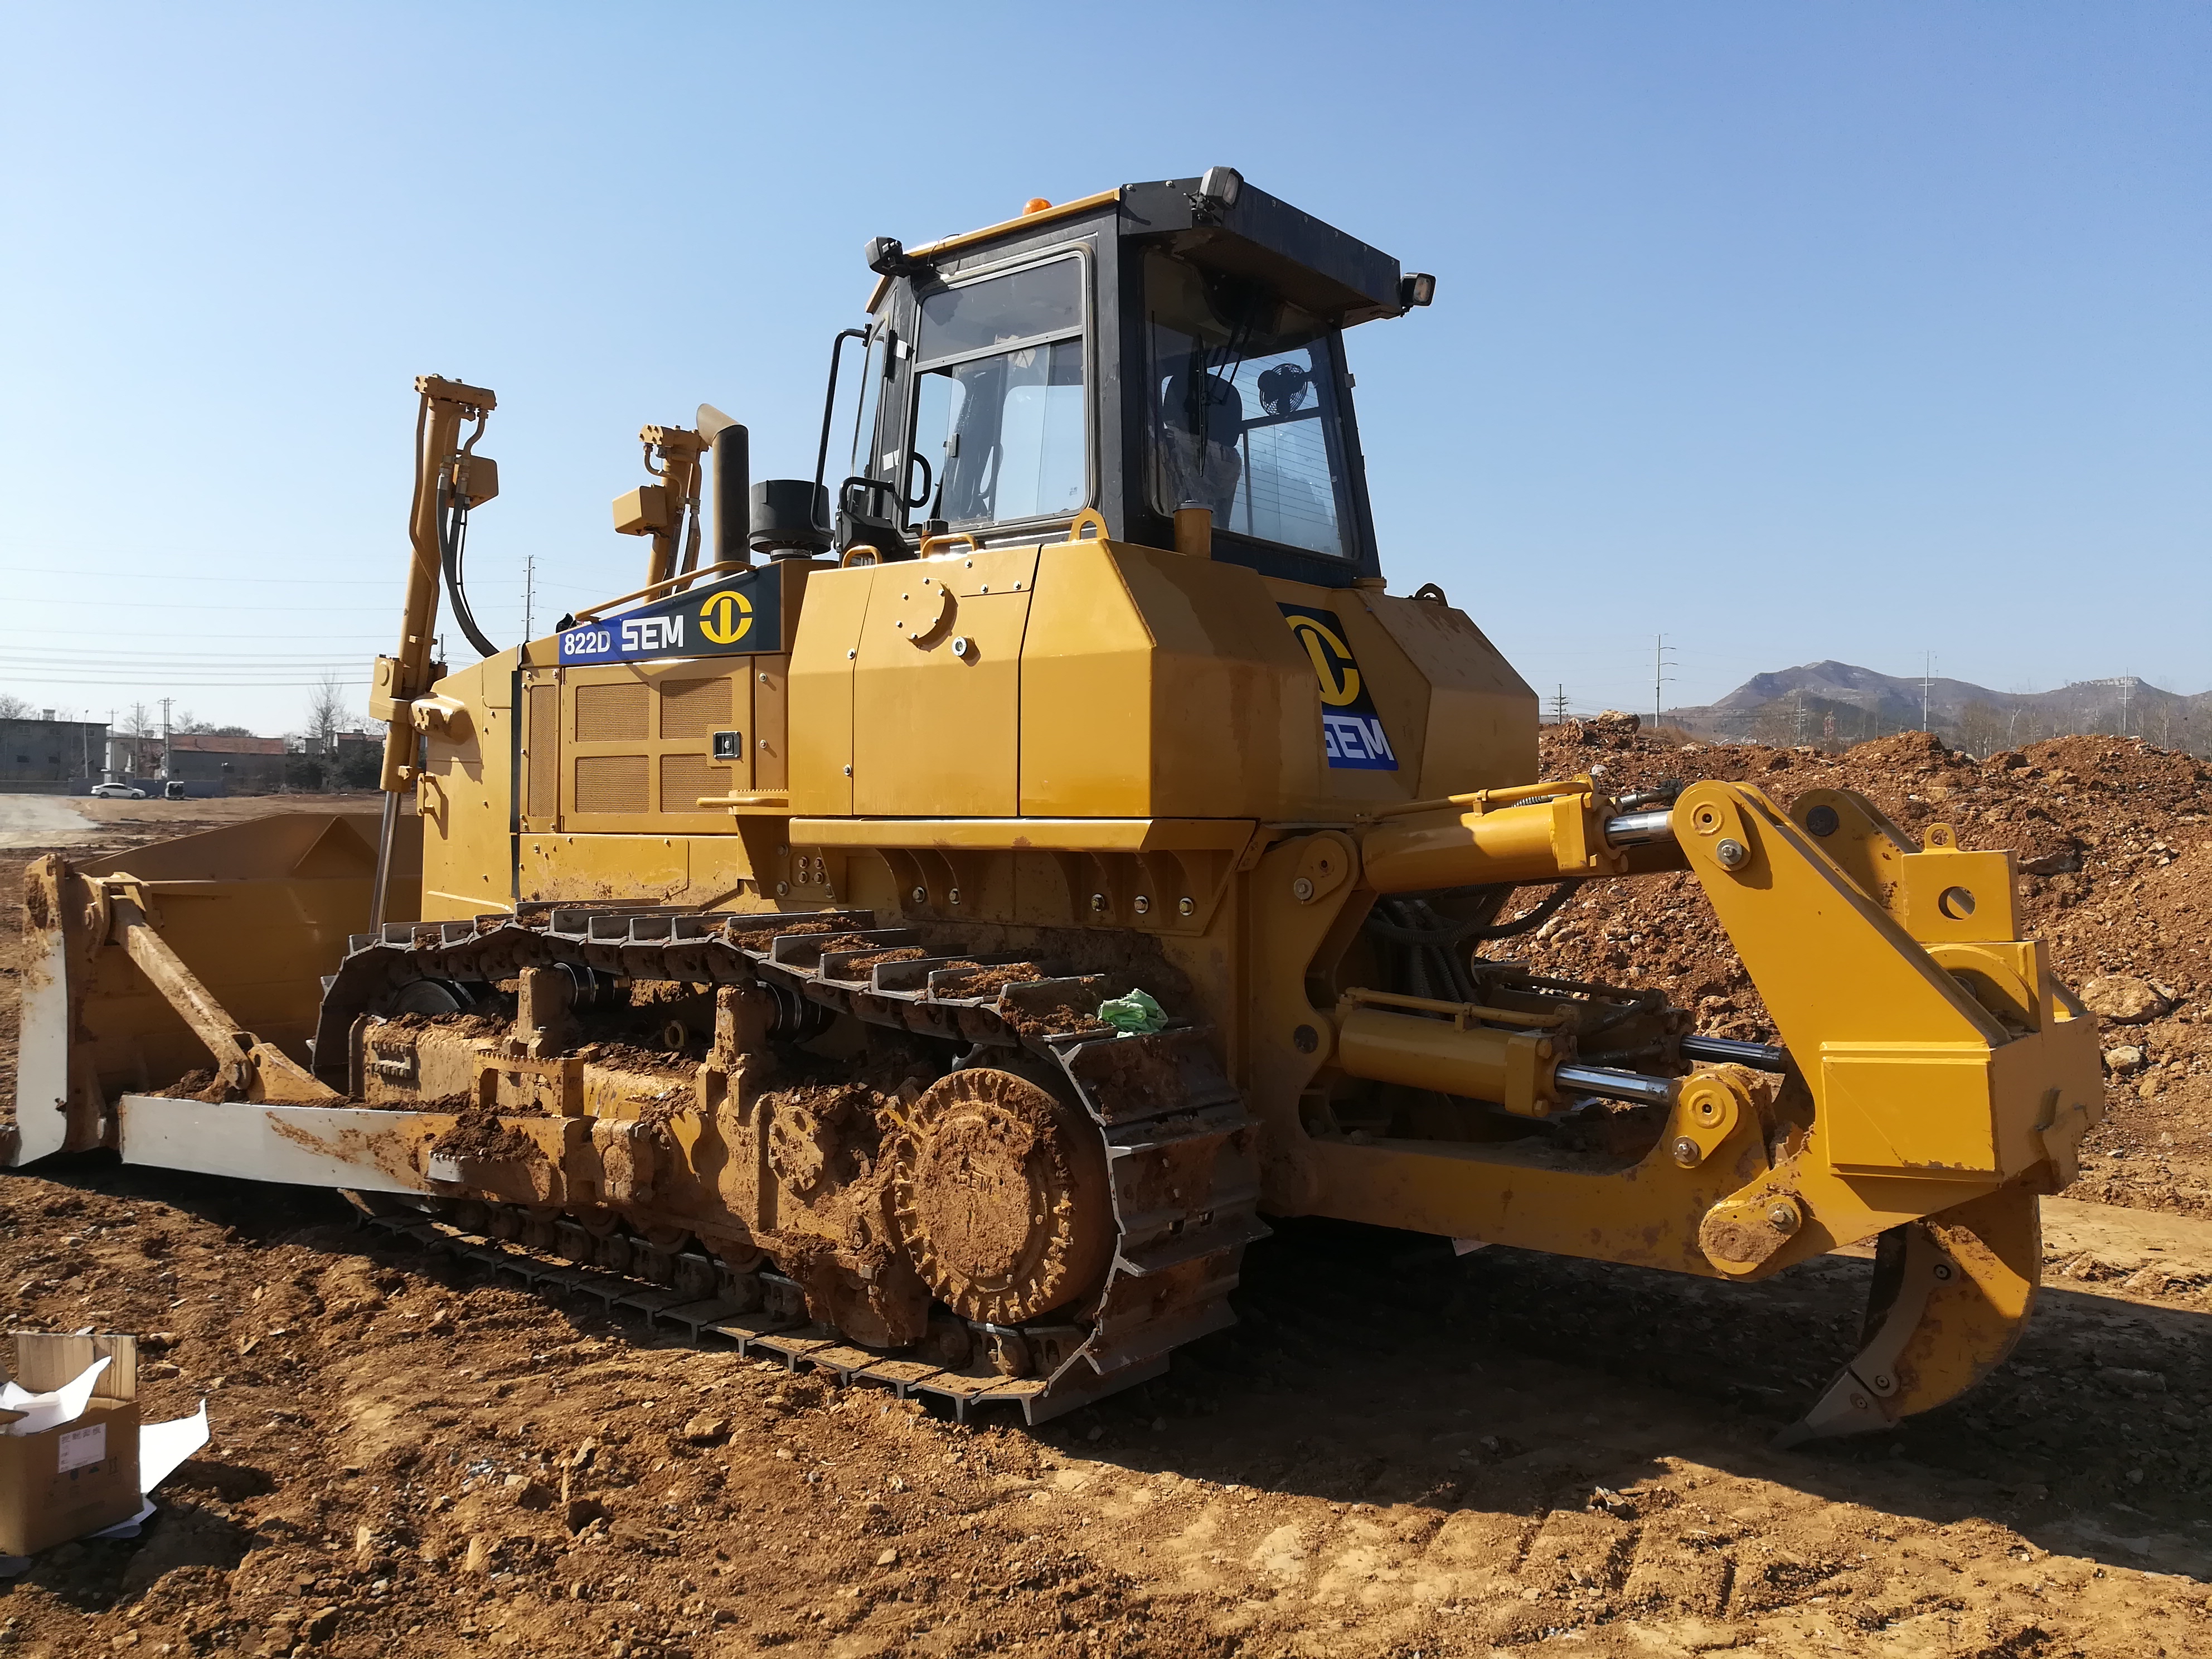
[(1351, 727), (742, 613), (726, 617)]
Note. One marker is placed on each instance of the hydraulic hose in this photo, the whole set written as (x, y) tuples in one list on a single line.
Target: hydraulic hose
[(453, 543), (1450, 937)]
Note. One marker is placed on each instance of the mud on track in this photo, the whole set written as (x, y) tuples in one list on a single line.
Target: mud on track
[(1397, 1452)]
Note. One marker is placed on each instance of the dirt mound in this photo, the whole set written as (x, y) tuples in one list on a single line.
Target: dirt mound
[(2115, 861)]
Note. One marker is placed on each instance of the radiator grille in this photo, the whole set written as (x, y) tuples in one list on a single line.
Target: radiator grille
[(612, 783), (694, 708), (543, 743), (611, 713), (685, 778)]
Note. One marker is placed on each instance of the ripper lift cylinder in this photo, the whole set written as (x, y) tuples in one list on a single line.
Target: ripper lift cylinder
[(1512, 1068), (1468, 842), (1520, 1071)]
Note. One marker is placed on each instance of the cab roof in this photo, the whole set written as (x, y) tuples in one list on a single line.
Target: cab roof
[(1311, 263)]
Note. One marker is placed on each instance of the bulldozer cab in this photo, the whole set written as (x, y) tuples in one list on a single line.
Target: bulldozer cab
[(1155, 348)]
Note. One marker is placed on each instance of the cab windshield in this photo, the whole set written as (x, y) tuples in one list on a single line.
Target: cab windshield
[(999, 416), (1244, 408)]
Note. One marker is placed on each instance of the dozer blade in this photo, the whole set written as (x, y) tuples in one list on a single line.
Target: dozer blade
[(1951, 1295), (142, 965)]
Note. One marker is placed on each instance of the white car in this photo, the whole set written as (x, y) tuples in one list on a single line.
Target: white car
[(118, 792)]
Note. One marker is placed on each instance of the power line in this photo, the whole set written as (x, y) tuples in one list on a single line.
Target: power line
[(153, 605), (74, 660), (125, 653), (190, 685), (205, 665), (195, 577), (1660, 676)]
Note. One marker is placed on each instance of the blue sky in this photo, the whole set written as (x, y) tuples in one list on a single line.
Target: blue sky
[(1791, 331)]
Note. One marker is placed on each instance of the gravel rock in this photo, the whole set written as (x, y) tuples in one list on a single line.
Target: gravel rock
[(2122, 998), (2124, 1059), (2122, 1379)]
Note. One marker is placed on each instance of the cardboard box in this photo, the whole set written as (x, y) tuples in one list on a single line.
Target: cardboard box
[(79, 1476)]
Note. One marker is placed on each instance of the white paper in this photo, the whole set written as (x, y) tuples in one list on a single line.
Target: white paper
[(128, 1529), (162, 1446), (1468, 1246), (50, 1411)]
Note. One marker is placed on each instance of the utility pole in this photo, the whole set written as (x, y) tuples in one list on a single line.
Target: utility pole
[(166, 736), (1927, 673), (1559, 706), (1660, 676), (529, 592)]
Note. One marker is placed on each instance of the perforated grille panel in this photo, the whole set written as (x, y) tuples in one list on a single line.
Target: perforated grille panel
[(685, 778), (611, 714), (694, 708), (611, 783), (543, 741)]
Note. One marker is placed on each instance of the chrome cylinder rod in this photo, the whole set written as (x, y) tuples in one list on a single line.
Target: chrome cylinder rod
[(1636, 828), (1614, 1085), (387, 832), (1727, 1051)]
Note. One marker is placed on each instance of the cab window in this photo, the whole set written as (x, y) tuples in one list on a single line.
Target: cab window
[(1243, 416), (999, 399)]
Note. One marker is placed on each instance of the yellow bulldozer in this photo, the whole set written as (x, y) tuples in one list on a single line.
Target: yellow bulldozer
[(923, 929)]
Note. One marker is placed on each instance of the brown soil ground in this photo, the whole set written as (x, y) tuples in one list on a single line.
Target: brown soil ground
[(1398, 1452)]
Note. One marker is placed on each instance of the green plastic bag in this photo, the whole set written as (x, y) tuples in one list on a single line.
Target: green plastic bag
[(1134, 1015)]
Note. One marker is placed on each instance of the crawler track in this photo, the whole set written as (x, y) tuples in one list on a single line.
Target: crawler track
[(1178, 1141)]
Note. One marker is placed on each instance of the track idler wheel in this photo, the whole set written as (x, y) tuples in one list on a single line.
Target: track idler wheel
[(1951, 1294), (1000, 1191)]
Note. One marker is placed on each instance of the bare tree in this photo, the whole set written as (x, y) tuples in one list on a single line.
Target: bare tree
[(1979, 727), (14, 708), (326, 713)]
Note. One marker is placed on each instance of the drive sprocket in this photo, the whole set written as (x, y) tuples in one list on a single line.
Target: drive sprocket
[(1000, 1192)]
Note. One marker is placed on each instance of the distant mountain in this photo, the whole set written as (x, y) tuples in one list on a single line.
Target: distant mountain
[(1834, 703)]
